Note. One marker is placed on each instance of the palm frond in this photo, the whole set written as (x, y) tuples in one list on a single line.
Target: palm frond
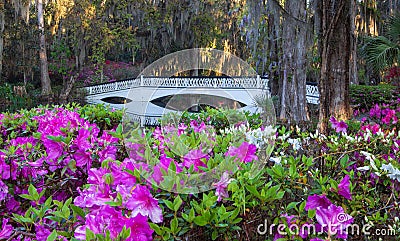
[(380, 52), (393, 29)]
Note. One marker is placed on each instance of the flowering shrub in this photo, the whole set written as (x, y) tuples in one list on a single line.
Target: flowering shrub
[(393, 76), (74, 173), (364, 97), (108, 72)]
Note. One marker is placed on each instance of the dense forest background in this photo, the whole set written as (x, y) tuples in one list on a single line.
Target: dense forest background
[(56, 44)]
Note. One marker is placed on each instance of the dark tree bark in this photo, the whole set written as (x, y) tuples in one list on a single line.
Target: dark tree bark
[(44, 71), (353, 45), (335, 61), (294, 61), (2, 22), (274, 33)]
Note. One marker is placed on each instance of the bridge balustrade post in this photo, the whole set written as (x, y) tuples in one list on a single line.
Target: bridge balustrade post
[(258, 81), (142, 121), (141, 80)]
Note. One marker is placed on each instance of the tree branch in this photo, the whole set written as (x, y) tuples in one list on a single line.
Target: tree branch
[(334, 22), (287, 13)]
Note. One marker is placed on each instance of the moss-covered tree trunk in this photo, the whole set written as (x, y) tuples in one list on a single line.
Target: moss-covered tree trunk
[(44, 71), (294, 61), (2, 22), (335, 61)]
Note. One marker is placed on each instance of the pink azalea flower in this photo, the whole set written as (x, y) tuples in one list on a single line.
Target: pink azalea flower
[(4, 167), (13, 205), (195, 158), (42, 232), (244, 153), (95, 176), (196, 127), (81, 140), (375, 111), (374, 129), (120, 175), (54, 149), (344, 187), (157, 175), (135, 150), (108, 152), (140, 229), (104, 219), (3, 191), (165, 162), (142, 202), (388, 116), (333, 220), (157, 134), (93, 196), (181, 128), (6, 229), (339, 126), (82, 158), (315, 201), (221, 186)]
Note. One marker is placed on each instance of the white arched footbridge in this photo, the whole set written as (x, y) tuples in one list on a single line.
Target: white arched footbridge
[(146, 99)]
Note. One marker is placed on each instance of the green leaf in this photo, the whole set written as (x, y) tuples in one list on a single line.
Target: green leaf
[(200, 220), (157, 229), (291, 205), (253, 190), (89, 235), (174, 225), (26, 196), (177, 203), (214, 235), (78, 211), (280, 194), (125, 233), (302, 206), (169, 204), (344, 161), (311, 213), (33, 192), (293, 171), (237, 220), (52, 236)]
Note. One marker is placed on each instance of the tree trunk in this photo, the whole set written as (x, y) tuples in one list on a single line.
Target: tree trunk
[(44, 72), (353, 46), (2, 20), (335, 61), (67, 90), (274, 39), (294, 47)]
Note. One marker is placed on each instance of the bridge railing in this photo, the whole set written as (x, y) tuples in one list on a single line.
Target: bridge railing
[(312, 92), (181, 82)]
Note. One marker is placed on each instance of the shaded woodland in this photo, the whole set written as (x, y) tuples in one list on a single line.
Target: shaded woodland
[(55, 45)]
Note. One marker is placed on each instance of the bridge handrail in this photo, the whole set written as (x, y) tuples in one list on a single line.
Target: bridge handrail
[(180, 82)]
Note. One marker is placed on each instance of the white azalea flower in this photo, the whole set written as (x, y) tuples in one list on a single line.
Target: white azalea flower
[(296, 143), (277, 160), (393, 173), (364, 168)]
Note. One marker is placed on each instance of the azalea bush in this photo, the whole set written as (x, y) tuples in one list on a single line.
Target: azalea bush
[(364, 97), (81, 173)]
